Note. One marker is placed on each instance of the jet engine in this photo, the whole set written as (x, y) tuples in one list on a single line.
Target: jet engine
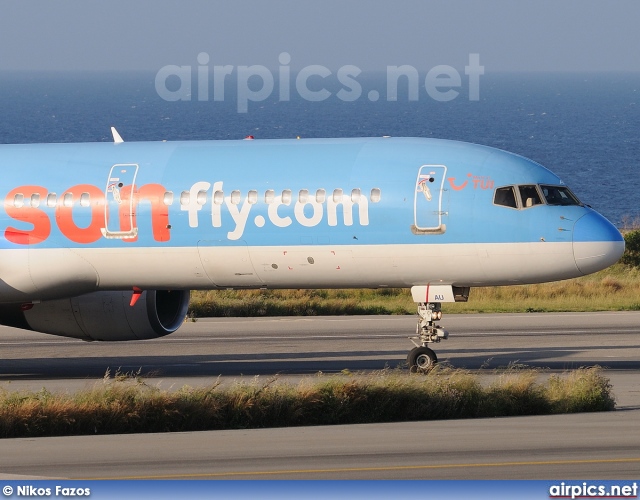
[(103, 315)]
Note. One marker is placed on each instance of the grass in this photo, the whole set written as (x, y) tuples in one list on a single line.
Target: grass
[(128, 404), (300, 302), (614, 289)]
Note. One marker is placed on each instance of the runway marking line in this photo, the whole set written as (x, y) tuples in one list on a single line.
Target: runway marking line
[(368, 469)]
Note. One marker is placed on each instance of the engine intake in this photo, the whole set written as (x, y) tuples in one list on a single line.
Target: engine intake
[(105, 315)]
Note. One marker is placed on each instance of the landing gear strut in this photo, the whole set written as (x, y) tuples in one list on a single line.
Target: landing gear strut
[(421, 358)]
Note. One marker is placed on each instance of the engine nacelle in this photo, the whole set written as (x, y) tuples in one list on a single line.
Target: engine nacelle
[(104, 315)]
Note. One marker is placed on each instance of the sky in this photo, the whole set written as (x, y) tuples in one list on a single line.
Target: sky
[(508, 35)]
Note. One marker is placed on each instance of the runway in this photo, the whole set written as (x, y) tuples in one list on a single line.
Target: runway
[(603, 446), (558, 447)]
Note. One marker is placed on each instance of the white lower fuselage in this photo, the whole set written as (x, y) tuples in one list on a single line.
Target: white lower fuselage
[(54, 273)]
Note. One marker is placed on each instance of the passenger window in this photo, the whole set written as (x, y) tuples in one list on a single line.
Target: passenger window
[(51, 199), (85, 200), (286, 196), (269, 196), (506, 197), (218, 197), (167, 199), (530, 196), (67, 200), (201, 198)]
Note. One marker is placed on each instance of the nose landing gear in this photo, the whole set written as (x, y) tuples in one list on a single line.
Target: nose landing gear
[(421, 358), (429, 299)]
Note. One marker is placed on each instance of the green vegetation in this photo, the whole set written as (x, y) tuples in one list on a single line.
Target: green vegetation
[(631, 255), (614, 289), (300, 302), (127, 404)]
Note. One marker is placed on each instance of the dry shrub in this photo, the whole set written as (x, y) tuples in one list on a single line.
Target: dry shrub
[(128, 405), (611, 283), (582, 390)]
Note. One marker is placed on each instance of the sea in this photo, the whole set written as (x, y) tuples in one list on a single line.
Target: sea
[(582, 126)]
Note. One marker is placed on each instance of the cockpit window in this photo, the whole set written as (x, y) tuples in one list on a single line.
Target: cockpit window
[(529, 196), (506, 196), (558, 195)]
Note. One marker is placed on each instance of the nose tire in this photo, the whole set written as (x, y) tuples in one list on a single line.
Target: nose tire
[(421, 360)]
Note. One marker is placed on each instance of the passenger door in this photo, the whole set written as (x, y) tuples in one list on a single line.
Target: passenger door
[(119, 216), (428, 200)]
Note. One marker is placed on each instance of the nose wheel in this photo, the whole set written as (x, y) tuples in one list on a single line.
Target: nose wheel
[(421, 359)]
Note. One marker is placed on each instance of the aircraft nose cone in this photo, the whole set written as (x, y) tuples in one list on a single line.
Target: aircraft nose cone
[(597, 244)]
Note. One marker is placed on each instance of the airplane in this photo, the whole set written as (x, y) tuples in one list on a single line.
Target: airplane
[(104, 241)]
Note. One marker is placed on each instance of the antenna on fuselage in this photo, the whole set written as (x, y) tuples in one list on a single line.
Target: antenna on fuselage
[(116, 136)]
